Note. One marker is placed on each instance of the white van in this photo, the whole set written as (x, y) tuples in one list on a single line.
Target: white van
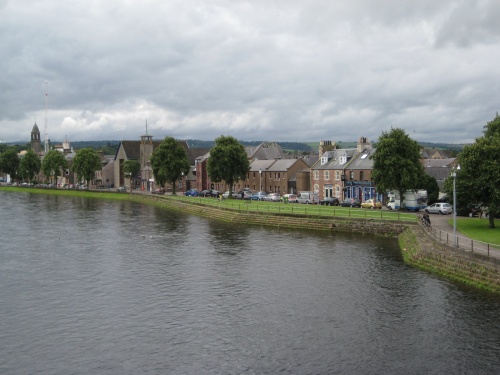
[(307, 197)]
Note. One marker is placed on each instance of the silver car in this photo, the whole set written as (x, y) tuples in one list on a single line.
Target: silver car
[(439, 208), (272, 197)]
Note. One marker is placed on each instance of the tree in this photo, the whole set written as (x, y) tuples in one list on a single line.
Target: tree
[(53, 164), (228, 161), (9, 162), (85, 163), (169, 162), (430, 184), (29, 166), (478, 180), (132, 167), (396, 163)]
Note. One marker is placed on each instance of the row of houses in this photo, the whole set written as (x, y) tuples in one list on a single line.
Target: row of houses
[(332, 172)]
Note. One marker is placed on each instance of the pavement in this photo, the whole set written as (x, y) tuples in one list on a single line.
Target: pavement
[(443, 229)]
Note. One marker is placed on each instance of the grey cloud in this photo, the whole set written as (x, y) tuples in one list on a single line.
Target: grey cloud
[(255, 70)]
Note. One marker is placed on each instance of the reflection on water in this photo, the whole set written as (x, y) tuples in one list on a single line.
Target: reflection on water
[(98, 287)]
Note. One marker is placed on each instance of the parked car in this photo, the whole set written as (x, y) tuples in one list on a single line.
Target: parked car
[(258, 196), (191, 193), (272, 197), (159, 191), (246, 194), (371, 204), (290, 198), (439, 208), (216, 193), (329, 201), (307, 197), (351, 202), (205, 193), (226, 195), (121, 189)]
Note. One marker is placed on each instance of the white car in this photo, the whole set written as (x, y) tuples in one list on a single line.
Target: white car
[(439, 208), (272, 197)]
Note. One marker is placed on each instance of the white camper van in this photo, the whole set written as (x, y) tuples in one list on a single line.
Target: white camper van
[(414, 200), (307, 197)]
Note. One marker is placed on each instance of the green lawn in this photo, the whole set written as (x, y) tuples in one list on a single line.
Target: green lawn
[(301, 209), (478, 229)]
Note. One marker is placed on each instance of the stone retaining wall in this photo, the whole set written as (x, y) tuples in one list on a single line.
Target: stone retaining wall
[(379, 227)]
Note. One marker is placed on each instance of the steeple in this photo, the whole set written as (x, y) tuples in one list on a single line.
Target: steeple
[(146, 147), (35, 139)]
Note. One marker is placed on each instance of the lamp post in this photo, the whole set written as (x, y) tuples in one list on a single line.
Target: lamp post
[(454, 175)]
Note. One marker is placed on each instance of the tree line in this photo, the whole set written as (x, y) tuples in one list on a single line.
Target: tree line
[(396, 166)]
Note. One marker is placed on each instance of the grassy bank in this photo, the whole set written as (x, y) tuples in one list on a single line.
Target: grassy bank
[(478, 229)]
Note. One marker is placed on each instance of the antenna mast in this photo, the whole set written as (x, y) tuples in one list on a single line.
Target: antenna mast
[(45, 130)]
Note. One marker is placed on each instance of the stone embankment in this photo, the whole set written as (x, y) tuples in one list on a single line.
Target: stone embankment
[(339, 224), (473, 269), (418, 249)]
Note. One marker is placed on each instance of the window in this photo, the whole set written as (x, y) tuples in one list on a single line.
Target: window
[(361, 174), (324, 160), (316, 175), (337, 191), (337, 175), (343, 160), (351, 175), (327, 175)]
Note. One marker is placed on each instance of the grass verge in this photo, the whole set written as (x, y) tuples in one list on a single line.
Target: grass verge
[(478, 229)]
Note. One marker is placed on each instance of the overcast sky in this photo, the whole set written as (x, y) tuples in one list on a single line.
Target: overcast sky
[(257, 70)]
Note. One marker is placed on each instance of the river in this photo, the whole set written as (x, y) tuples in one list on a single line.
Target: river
[(90, 286)]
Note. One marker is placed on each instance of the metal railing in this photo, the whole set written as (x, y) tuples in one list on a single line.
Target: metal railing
[(462, 243)]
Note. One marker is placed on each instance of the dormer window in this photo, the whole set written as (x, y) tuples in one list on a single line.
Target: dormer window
[(342, 159), (324, 160)]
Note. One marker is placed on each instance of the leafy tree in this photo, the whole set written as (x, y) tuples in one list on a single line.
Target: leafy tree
[(478, 180), (53, 164), (228, 161), (29, 166), (396, 163), (132, 167), (430, 184), (9, 162), (85, 163), (169, 161)]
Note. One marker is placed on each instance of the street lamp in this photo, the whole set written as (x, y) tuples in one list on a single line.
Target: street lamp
[(454, 175)]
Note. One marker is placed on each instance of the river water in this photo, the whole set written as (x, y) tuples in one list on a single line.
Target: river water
[(102, 287)]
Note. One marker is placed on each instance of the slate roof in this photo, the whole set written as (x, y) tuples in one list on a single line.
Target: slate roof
[(133, 150), (439, 173), (265, 151), (263, 165), (282, 165), (437, 162), (427, 153), (362, 160), (334, 159)]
